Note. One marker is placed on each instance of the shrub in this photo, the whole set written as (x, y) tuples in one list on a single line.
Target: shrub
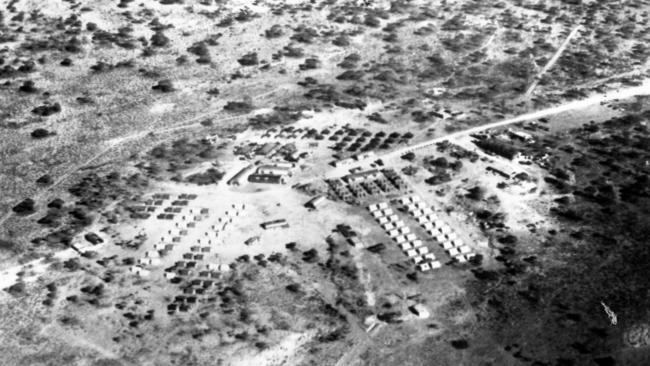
[(41, 133), (17, 289), (24, 208), (159, 40), (28, 87), (47, 109), (164, 86), (249, 59), (274, 32)]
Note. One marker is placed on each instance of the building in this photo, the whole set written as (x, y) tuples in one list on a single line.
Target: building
[(362, 176), (266, 178), (268, 148), (315, 202), (357, 190), (343, 162), (520, 135), (275, 224), (365, 155), (238, 178), (273, 170)]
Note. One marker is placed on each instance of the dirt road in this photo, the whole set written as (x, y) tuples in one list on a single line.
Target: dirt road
[(551, 62), (644, 89)]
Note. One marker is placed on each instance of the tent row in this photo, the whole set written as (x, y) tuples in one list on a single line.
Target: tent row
[(402, 235)]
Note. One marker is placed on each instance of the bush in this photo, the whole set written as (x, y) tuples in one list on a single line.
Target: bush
[(47, 110), (17, 289), (242, 107), (460, 344), (44, 180), (249, 59), (164, 86), (28, 87), (41, 133), (25, 208), (159, 40), (274, 32)]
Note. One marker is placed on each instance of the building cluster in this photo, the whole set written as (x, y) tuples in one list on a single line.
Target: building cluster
[(273, 172), (272, 150), (365, 184), (157, 201), (276, 172), (194, 271), (440, 231), (408, 241), (291, 132)]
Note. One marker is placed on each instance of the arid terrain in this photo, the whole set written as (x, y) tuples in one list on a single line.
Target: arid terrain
[(324, 182)]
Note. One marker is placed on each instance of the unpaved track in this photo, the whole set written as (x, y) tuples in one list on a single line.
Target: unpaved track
[(115, 142), (596, 99), (551, 62)]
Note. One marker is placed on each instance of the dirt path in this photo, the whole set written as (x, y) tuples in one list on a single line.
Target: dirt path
[(115, 142), (551, 62), (596, 99)]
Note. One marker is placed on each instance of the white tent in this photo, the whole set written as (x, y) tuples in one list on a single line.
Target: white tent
[(383, 220), (464, 249), (452, 236), (411, 207), (457, 242), (411, 237), (453, 252), (377, 214), (422, 220), (411, 253), (387, 212), (388, 226), (393, 218), (430, 257), (383, 205), (435, 265), (417, 259), (399, 223), (447, 245), (373, 207), (405, 230), (405, 246), (427, 226), (416, 199), (422, 250), (424, 267), (441, 238), (417, 243), (461, 259), (393, 233), (400, 239)]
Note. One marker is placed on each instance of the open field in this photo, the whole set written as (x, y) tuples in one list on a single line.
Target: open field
[(280, 182)]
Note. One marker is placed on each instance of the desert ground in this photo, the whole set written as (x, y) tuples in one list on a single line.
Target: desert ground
[(277, 182)]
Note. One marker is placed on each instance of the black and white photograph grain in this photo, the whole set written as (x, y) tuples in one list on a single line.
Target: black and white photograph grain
[(324, 182)]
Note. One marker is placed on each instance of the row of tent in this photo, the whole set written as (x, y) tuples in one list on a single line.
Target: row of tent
[(439, 230), (414, 248)]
